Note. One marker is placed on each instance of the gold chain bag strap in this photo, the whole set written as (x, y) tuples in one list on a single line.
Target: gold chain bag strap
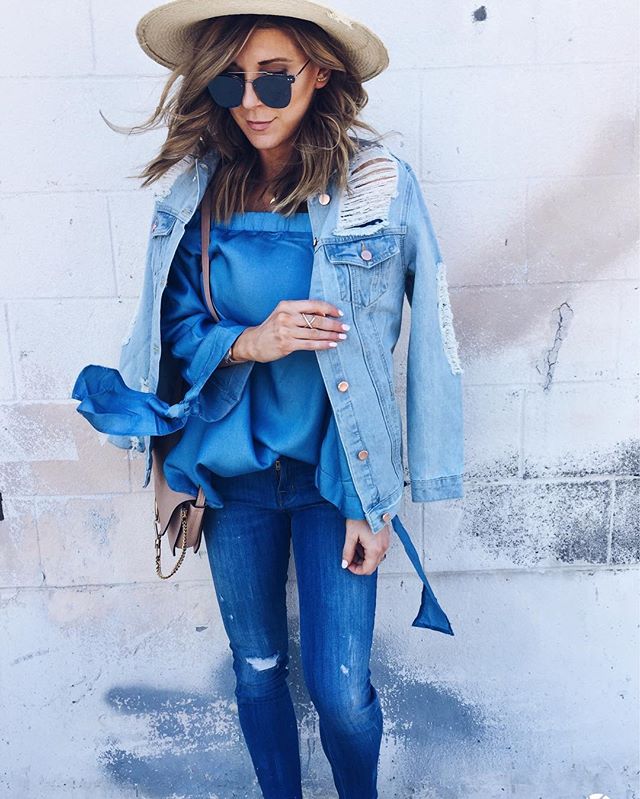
[(177, 514)]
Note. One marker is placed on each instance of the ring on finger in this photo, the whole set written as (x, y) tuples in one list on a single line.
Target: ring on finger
[(309, 324)]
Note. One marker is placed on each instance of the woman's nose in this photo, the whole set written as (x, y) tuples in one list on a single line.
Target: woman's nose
[(249, 97)]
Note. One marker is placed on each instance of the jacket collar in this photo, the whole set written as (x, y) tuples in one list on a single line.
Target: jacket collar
[(180, 190)]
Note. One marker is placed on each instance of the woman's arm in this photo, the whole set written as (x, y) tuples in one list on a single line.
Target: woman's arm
[(434, 372), (197, 342)]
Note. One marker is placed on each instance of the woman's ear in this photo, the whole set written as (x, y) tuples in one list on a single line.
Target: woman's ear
[(323, 77)]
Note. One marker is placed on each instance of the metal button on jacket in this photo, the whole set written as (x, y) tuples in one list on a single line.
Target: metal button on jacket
[(324, 199), (343, 385), (386, 516), (363, 454), (366, 255)]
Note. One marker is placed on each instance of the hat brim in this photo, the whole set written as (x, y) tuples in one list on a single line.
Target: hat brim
[(166, 32)]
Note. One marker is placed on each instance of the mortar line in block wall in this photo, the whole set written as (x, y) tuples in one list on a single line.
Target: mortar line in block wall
[(521, 431), (388, 577), (506, 65), (112, 249), (612, 513), (92, 34), (426, 181), (12, 367), (469, 482), (36, 521), (453, 289)]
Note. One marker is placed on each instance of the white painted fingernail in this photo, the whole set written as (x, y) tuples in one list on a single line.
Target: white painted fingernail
[(345, 563)]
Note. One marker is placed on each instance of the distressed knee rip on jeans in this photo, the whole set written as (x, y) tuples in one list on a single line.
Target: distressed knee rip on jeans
[(260, 664)]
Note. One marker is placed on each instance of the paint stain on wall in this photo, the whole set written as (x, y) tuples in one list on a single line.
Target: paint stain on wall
[(100, 525), (186, 744), (540, 523)]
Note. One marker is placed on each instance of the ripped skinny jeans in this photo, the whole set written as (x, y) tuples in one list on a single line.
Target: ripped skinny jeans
[(248, 545)]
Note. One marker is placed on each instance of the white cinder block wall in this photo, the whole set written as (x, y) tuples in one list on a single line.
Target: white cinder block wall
[(521, 119)]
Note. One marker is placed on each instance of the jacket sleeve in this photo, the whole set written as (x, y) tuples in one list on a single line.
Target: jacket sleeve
[(434, 374)]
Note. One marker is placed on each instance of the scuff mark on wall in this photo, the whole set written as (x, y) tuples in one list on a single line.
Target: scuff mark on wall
[(480, 14), (100, 525)]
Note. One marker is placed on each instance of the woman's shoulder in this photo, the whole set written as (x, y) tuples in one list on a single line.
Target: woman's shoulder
[(376, 167), (370, 151)]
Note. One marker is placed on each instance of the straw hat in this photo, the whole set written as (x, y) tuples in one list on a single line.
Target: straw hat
[(164, 32)]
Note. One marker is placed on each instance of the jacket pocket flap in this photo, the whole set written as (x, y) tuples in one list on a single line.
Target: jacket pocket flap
[(374, 249), (163, 223)]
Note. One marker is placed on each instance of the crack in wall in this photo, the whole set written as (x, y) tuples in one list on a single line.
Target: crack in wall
[(564, 313)]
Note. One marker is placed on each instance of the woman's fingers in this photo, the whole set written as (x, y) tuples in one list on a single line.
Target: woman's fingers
[(316, 326), (286, 330), (360, 539), (310, 306)]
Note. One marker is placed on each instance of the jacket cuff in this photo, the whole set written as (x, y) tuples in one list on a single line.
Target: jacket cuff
[(449, 487)]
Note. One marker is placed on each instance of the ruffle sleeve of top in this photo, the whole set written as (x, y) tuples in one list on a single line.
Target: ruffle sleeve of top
[(111, 406)]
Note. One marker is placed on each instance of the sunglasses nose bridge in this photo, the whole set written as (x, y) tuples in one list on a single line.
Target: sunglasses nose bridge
[(249, 95)]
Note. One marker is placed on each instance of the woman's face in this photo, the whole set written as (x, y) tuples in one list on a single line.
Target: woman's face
[(273, 50)]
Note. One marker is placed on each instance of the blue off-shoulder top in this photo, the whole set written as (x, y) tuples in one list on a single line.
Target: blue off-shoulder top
[(257, 259)]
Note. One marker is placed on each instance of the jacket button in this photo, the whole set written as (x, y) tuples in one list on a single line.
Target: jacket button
[(315, 241), (386, 517), (363, 454), (324, 199), (343, 385), (366, 255)]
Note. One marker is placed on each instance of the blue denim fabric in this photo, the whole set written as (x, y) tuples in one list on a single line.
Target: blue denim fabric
[(374, 245), (248, 546), (257, 259)]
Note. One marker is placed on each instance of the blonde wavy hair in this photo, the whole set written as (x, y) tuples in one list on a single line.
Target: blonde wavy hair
[(322, 147)]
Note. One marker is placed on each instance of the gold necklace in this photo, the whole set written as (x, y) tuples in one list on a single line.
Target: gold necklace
[(262, 203)]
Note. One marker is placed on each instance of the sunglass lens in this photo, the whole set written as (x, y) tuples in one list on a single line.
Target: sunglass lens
[(226, 90), (273, 90)]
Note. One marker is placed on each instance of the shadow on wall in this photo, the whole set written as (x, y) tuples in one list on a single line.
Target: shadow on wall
[(191, 743), (588, 253)]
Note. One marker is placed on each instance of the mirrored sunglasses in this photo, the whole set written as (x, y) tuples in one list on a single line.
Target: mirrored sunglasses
[(272, 88)]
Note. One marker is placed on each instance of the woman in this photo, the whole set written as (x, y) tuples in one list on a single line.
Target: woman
[(290, 421)]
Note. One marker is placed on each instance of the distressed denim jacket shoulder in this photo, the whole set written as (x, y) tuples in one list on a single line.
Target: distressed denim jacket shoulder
[(374, 245)]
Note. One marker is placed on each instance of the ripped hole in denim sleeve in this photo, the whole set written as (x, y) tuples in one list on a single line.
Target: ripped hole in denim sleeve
[(445, 317)]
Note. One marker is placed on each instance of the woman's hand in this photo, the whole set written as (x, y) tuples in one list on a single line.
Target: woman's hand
[(370, 547), (285, 330)]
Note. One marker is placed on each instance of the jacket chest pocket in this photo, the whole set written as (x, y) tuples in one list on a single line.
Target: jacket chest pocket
[(162, 227), (363, 267)]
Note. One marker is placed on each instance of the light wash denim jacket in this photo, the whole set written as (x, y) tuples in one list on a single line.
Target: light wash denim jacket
[(374, 244)]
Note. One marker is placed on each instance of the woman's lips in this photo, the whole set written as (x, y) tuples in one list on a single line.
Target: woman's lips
[(259, 125)]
